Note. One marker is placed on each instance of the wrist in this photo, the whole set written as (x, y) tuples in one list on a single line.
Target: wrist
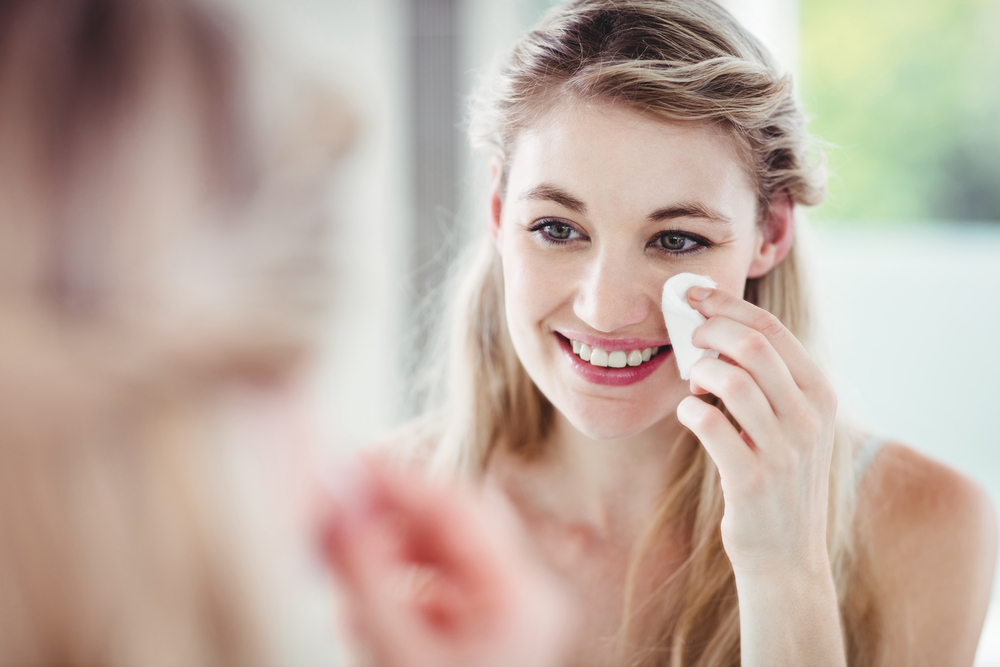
[(789, 616), (807, 572)]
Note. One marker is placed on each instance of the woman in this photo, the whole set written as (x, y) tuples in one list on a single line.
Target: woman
[(163, 281), (633, 141)]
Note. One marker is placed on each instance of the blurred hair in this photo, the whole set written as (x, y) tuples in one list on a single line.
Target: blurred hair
[(151, 255), (676, 61)]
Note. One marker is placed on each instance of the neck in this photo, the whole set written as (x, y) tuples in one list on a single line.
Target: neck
[(609, 486)]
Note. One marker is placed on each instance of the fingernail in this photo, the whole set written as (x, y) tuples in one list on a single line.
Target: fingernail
[(698, 293)]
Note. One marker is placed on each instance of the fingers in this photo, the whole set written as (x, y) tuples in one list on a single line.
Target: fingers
[(434, 524), (363, 555), (417, 526), (790, 385), (422, 567), (716, 303), (719, 438), (741, 395), (754, 354)]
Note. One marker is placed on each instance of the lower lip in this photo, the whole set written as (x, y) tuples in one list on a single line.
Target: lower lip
[(615, 377)]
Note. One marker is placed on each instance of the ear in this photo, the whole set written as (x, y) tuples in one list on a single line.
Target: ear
[(496, 201), (775, 238)]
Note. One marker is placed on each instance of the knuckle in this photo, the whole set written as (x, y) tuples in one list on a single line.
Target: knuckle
[(705, 421), (809, 419), (787, 460), (814, 424), (736, 382), (824, 398), (756, 481), (768, 324), (752, 345)]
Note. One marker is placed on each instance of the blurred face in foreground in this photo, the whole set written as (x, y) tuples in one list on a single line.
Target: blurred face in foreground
[(602, 206)]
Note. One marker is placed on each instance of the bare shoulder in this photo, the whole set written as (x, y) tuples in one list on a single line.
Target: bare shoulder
[(931, 538)]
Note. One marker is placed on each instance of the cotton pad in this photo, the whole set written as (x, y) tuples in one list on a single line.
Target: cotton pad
[(681, 320)]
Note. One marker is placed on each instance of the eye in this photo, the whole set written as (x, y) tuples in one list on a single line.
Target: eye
[(676, 242), (558, 231), (680, 243), (555, 231)]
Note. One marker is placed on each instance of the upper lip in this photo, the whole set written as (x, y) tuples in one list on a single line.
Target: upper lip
[(613, 344)]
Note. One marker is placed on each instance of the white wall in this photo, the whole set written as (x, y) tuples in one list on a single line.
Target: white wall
[(912, 322), (356, 48), (775, 23), (361, 48)]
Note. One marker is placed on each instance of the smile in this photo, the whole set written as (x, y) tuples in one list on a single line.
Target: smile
[(597, 365), (615, 359)]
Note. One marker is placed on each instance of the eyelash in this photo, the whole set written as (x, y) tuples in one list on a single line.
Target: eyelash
[(701, 243), (540, 226)]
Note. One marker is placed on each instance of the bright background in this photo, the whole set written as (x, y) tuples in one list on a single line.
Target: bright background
[(905, 92)]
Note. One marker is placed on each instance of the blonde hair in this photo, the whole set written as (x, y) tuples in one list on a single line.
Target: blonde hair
[(148, 261), (675, 60)]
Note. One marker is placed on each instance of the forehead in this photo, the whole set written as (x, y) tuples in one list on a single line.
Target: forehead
[(615, 158)]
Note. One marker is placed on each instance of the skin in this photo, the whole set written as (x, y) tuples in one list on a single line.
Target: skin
[(590, 191), (932, 536), (437, 577)]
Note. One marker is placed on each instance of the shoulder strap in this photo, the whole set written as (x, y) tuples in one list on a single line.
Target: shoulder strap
[(865, 454)]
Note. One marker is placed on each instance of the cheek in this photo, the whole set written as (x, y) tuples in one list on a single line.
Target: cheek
[(532, 286), (729, 269), (731, 279)]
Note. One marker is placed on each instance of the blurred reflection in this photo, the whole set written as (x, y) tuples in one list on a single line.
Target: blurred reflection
[(159, 288)]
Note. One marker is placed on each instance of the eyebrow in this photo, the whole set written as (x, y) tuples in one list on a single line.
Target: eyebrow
[(546, 192), (688, 210)]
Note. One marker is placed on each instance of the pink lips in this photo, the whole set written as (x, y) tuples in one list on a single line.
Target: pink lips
[(615, 377)]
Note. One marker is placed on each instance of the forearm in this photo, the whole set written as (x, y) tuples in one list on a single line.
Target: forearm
[(789, 619)]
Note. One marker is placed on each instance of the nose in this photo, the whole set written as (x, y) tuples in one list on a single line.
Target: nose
[(613, 293)]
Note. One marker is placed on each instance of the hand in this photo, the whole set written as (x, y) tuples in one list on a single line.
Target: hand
[(775, 466), (438, 578)]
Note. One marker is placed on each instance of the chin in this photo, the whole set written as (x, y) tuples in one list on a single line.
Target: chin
[(613, 422)]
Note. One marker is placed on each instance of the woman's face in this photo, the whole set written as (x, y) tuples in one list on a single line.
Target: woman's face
[(602, 206)]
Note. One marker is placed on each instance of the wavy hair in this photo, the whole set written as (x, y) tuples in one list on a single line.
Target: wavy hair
[(673, 60)]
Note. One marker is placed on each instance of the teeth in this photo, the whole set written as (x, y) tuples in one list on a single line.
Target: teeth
[(615, 359)]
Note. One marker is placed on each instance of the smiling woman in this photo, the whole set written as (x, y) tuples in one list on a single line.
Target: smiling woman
[(633, 141), (613, 204)]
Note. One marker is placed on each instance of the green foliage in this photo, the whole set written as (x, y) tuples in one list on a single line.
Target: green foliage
[(908, 94)]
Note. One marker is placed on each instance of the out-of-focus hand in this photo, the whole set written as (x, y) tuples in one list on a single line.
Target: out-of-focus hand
[(439, 577)]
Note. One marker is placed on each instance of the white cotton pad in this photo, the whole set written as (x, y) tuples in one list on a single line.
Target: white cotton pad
[(682, 320)]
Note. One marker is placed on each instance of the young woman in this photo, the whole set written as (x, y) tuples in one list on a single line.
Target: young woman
[(162, 278), (733, 518)]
